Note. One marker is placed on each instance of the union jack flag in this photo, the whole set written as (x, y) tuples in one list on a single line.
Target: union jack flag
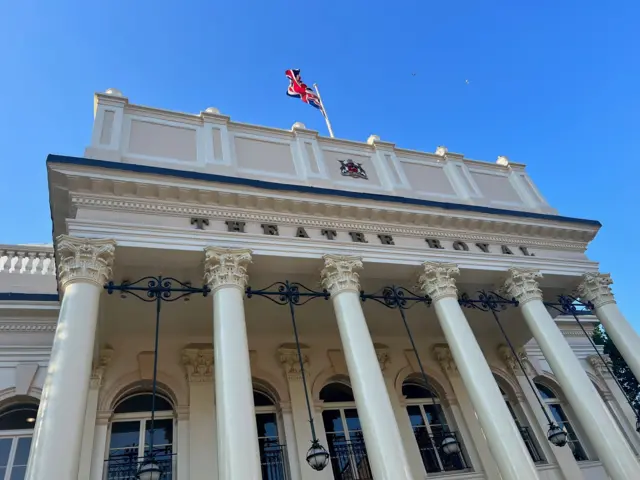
[(300, 90)]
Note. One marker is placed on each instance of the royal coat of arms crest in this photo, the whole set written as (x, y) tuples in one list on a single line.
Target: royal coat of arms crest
[(349, 168)]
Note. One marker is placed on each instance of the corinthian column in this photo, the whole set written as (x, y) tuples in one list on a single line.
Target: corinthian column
[(84, 266), (381, 434), (613, 450), (438, 282), (238, 452), (595, 289)]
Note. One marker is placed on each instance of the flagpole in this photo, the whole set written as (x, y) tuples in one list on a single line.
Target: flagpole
[(326, 117)]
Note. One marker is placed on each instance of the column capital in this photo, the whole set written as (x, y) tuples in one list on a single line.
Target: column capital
[(599, 366), (522, 285), (225, 267), (84, 260), (595, 288), (438, 280), (98, 369), (340, 273), (290, 361), (442, 354), (510, 361), (198, 363)]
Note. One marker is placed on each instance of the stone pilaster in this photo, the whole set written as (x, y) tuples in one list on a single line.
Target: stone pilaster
[(437, 280), (99, 367)]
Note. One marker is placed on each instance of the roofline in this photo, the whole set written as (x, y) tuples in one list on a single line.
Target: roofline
[(209, 177)]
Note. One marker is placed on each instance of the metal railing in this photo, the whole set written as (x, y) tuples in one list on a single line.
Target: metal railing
[(434, 458), (349, 460), (274, 462), (125, 467), (531, 445)]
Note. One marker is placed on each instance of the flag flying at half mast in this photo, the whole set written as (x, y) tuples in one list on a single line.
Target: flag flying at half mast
[(297, 88)]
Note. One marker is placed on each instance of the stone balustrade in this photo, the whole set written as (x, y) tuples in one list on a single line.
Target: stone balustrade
[(27, 259)]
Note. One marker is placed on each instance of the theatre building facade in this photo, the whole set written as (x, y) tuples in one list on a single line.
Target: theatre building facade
[(236, 302)]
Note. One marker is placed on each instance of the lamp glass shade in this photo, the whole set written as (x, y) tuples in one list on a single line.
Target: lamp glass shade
[(450, 445), (317, 456), (149, 470), (557, 436)]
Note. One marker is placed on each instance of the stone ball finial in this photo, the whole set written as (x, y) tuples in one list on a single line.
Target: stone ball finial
[(441, 150), (298, 126), (213, 110), (372, 139), (114, 92), (503, 160)]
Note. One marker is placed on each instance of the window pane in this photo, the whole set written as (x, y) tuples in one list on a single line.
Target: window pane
[(413, 390), (261, 400), (5, 450), (162, 432), (415, 416), (558, 412), (336, 392), (19, 417), (142, 403), (353, 422), (545, 392), (267, 425), (17, 473), (434, 415), (22, 452), (125, 436), (332, 421)]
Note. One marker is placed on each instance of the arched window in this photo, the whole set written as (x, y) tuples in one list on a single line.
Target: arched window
[(130, 435), (557, 410), (16, 430), (344, 434), (430, 425), (272, 449), (525, 431)]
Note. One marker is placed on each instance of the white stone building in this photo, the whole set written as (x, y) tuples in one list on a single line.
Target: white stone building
[(212, 202)]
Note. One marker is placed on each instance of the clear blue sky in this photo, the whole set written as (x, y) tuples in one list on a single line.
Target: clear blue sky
[(552, 84)]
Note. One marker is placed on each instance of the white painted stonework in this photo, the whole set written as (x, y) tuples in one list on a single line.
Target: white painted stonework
[(210, 201)]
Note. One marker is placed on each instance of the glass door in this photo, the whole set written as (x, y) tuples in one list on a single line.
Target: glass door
[(346, 444)]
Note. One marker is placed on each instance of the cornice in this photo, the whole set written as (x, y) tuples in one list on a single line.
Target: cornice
[(311, 213), (31, 327)]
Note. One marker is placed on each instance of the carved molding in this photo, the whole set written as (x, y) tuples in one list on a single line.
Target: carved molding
[(226, 267), (442, 354), (198, 363), (521, 284), (308, 213), (595, 288), (99, 368), (510, 361), (438, 280), (290, 361), (599, 366), (28, 327), (384, 359), (85, 260), (340, 273)]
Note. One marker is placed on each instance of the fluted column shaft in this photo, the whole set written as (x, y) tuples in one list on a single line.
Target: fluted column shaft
[(613, 450), (84, 267), (238, 450), (595, 288), (385, 450), (505, 442)]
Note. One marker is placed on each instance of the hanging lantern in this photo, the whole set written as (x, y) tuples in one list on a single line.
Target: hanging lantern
[(317, 456), (149, 470), (450, 445), (557, 435)]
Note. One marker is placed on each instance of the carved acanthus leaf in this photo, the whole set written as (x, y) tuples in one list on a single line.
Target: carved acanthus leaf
[(226, 267), (442, 354), (340, 273), (437, 280), (290, 361), (99, 368), (599, 365), (595, 288), (85, 260), (522, 284), (198, 363)]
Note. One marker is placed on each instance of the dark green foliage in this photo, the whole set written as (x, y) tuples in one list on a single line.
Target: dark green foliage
[(619, 367)]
